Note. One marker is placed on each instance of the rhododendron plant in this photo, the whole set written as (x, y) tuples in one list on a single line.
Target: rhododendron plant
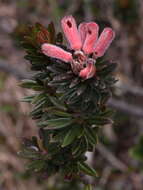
[(72, 87)]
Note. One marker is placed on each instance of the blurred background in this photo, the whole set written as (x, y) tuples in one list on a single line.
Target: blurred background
[(119, 155)]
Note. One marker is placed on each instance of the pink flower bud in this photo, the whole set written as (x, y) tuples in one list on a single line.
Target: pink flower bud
[(71, 32), (89, 71), (56, 52), (104, 42), (91, 37)]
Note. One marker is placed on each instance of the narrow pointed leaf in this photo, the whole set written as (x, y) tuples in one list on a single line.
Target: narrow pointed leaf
[(60, 113), (27, 99), (57, 103), (87, 169), (71, 135), (31, 85), (37, 98), (101, 120), (56, 123), (91, 136)]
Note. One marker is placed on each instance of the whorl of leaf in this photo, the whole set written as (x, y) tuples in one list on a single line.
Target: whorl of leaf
[(68, 110)]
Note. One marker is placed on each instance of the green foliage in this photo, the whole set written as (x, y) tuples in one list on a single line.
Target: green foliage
[(88, 187), (137, 150), (68, 110)]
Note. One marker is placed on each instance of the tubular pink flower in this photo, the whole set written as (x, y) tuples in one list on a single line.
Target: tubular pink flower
[(56, 52), (71, 32), (89, 71), (104, 42), (82, 31), (85, 43), (91, 37)]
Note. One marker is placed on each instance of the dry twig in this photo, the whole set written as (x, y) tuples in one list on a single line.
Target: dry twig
[(115, 162)]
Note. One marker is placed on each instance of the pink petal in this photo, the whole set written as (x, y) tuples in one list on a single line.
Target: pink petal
[(82, 30), (91, 37), (71, 32), (56, 52), (88, 72), (104, 42)]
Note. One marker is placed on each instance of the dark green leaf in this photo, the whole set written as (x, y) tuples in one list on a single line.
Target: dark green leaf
[(31, 84), (81, 148), (91, 135), (27, 99), (86, 169), (100, 120), (38, 98), (81, 89), (56, 123), (37, 165), (71, 135), (57, 103), (108, 69)]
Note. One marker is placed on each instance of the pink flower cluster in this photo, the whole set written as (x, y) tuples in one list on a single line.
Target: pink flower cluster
[(86, 44)]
